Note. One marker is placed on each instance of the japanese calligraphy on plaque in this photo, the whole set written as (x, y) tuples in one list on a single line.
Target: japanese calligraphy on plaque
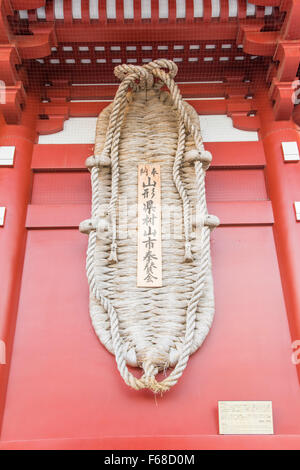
[(245, 417), (149, 262)]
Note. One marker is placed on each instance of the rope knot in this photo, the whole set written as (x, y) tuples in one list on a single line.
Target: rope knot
[(168, 65), (206, 158), (209, 220), (143, 77), (212, 221), (99, 224), (148, 379), (98, 160), (192, 156), (140, 77), (86, 226)]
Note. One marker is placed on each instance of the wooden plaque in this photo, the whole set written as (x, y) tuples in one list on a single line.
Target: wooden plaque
[(245, 417), (149, 261)]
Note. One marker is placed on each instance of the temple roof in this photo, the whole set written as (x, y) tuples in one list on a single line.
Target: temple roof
[(76, 41)]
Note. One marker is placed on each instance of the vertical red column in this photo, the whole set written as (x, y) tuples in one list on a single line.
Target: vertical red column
[(15, 185), (284, 189)]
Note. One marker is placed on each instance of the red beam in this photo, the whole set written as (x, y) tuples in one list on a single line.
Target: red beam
[(188, 90), (63, 157), (200, 442), (81, 32), (70, 215), (27, 4)]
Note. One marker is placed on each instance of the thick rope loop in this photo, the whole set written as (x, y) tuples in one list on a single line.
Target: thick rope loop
[(141, 77), (170, 66), (144, 80)]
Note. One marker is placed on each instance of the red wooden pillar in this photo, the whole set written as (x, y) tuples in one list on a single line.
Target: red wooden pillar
[(283, 185), (15, 185)]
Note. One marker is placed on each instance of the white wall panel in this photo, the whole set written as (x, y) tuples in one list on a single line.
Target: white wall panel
[(215, 128)]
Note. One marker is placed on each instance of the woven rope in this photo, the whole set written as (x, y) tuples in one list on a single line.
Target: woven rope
[(160, 327)]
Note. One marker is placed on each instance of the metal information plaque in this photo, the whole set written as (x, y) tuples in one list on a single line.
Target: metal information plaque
[(245, 417)]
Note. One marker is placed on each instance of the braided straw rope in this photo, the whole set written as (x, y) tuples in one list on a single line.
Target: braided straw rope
[(152, 328)]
